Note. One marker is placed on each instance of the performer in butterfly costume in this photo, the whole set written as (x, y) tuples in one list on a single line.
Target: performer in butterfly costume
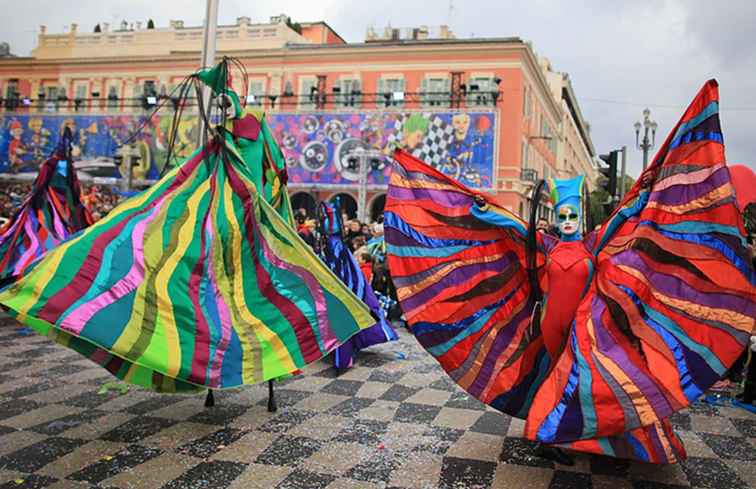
[(49, 215), (638, 318), (198, 282)]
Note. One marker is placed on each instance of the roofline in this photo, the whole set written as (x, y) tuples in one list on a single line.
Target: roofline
[(577, 114), (327, 25), (409, 42)]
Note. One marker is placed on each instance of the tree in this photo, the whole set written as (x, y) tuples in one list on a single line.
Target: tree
[(597, 199), (98, 28), (150, 24), (749, 218)]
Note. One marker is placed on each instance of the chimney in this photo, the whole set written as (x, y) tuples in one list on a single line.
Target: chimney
[(43, 29), (244, 20)]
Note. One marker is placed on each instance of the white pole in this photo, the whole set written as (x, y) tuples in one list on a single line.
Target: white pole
[(208, 55), (362, 190)]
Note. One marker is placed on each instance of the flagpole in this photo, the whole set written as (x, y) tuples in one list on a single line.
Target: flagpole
[(208, 57)]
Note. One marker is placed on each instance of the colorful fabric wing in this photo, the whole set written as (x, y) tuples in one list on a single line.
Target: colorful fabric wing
[(195, 283), (463, 286), (49, 215), (343, 264), (673, 302)]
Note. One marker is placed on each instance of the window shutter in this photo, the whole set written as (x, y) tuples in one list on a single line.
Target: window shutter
[(379, 100), (424, 97)]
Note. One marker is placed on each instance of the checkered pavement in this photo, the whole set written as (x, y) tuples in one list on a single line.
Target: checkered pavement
[(393, 421)]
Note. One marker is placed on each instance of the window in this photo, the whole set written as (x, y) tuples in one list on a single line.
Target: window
[(307, 89), (527, 108), (149, 89), (524, 154), (256, 92), (390, 92), (547, 132), (52, 93), (112, 97), (479, 91), (11, 88), (81, 91), (350, 93), (436, 92)]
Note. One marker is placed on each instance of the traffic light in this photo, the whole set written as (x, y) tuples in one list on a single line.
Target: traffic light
[(610, 184)]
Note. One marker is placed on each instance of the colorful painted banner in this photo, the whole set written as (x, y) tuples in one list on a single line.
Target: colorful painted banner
[(318, 146)]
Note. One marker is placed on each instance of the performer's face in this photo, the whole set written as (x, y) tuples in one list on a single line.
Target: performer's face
[(569, 220)]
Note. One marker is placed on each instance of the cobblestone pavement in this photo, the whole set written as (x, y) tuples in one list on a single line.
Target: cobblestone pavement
[(393, 421)]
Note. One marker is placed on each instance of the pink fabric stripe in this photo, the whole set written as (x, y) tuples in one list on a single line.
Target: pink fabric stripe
[(79, 317), (686, 178), (225, 317)]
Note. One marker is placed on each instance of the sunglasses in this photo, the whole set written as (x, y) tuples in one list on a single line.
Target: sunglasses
[(572, 216)]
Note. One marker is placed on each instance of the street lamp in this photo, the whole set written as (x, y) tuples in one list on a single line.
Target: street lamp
[(647, 143)]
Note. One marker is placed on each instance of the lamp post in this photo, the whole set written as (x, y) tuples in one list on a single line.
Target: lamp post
[(647, 143)]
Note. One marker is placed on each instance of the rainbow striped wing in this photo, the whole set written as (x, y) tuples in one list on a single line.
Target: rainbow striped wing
[(197, 282), (673, 304), (48, 216), (463, 287)]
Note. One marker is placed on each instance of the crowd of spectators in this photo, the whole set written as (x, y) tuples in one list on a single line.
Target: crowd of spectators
[(98, 199), (12, 195), (366, 242)]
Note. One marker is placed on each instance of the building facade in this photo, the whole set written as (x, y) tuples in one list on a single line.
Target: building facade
[(485, 111)]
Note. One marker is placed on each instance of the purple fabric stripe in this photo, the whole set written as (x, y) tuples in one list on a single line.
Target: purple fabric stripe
[(502, 341), (399, 239), (684, 193), (443, 197), (608, 347), (674, 287), (458, 276)]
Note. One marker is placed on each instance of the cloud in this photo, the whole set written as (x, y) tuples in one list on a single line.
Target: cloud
[(636, 54)]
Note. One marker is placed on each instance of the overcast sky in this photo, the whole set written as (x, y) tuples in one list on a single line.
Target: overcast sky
[(621, 56)]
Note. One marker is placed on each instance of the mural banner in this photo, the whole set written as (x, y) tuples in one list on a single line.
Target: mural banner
[(26, 140), (320, 148)]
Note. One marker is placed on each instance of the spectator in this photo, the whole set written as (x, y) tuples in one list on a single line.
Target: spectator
[(359, 245), (354, 229), (365, 261), (542, 225), (304, 231)]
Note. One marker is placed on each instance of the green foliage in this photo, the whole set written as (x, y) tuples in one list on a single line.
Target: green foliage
[(597, 199), (295, 26), (749, 218)]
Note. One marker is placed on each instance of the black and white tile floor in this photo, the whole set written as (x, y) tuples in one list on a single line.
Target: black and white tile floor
[(393, 421)]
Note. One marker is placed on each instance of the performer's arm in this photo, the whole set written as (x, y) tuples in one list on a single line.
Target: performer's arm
[(496, 216), (630, 210)]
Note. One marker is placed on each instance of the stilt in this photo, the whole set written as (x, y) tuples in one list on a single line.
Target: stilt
[(272, 408), (210, 399)]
